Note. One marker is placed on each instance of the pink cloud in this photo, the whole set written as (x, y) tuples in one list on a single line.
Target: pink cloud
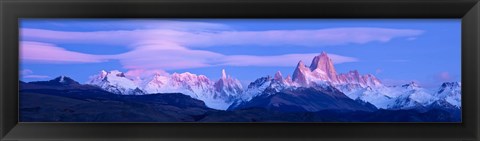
[(27, 73), (270, 38), (169, 56), (44, 52), (280, 60), (172, 57), (177, 49), (36, 76), (314, 38), (444, 76), (139, 24), (52, 36)]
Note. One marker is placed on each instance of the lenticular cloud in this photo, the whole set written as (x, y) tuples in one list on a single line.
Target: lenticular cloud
[(171, 49)]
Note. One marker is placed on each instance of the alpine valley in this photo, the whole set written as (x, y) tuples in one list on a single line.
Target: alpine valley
[(314, 93)]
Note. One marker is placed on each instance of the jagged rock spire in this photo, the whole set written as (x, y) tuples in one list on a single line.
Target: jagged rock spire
[(325, 64), (299, 75), (278, 76), (224, 74)]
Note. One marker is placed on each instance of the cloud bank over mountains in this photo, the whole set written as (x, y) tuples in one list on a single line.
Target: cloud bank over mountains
[(185, 46)]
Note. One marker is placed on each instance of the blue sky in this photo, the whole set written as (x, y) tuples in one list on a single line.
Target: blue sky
[(397, 51)]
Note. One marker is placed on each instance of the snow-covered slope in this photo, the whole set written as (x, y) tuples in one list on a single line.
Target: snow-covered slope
[(321, 75), (410, 96), (187, 83), (356, 86), (451, 93), (256, 87), (367, 88), (267, 85), (216, 94), (115, 82), (227, 87)]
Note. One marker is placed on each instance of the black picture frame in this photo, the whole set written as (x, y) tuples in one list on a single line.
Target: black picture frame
[(12, 10)]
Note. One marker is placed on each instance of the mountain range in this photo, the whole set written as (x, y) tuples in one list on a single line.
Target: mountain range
[(64, 100), (217, 94), (312, 93), (320, 76)]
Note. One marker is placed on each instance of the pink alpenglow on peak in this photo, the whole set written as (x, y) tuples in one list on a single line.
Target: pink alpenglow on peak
[(278, 76), (288, 79), (322, 70), (301, 74), (322, 66), (354, 77)]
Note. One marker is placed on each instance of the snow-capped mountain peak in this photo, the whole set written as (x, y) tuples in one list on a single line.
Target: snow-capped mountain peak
[(301, 74), (216, 94), (321, 75), (324, 66), (323, 71), (60, 80), (278, 76), (411, 85), (288, 80), (65, 80), (224, 74), (451, 93), (103, 73), (115, 82), (227, 86), (451, 85)]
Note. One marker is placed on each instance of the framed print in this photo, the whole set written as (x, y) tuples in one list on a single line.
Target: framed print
[(175, 70), (239, 70)]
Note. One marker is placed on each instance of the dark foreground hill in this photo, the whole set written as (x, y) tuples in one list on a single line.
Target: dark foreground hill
[(305, 100), (83, 103), (72, 102)]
